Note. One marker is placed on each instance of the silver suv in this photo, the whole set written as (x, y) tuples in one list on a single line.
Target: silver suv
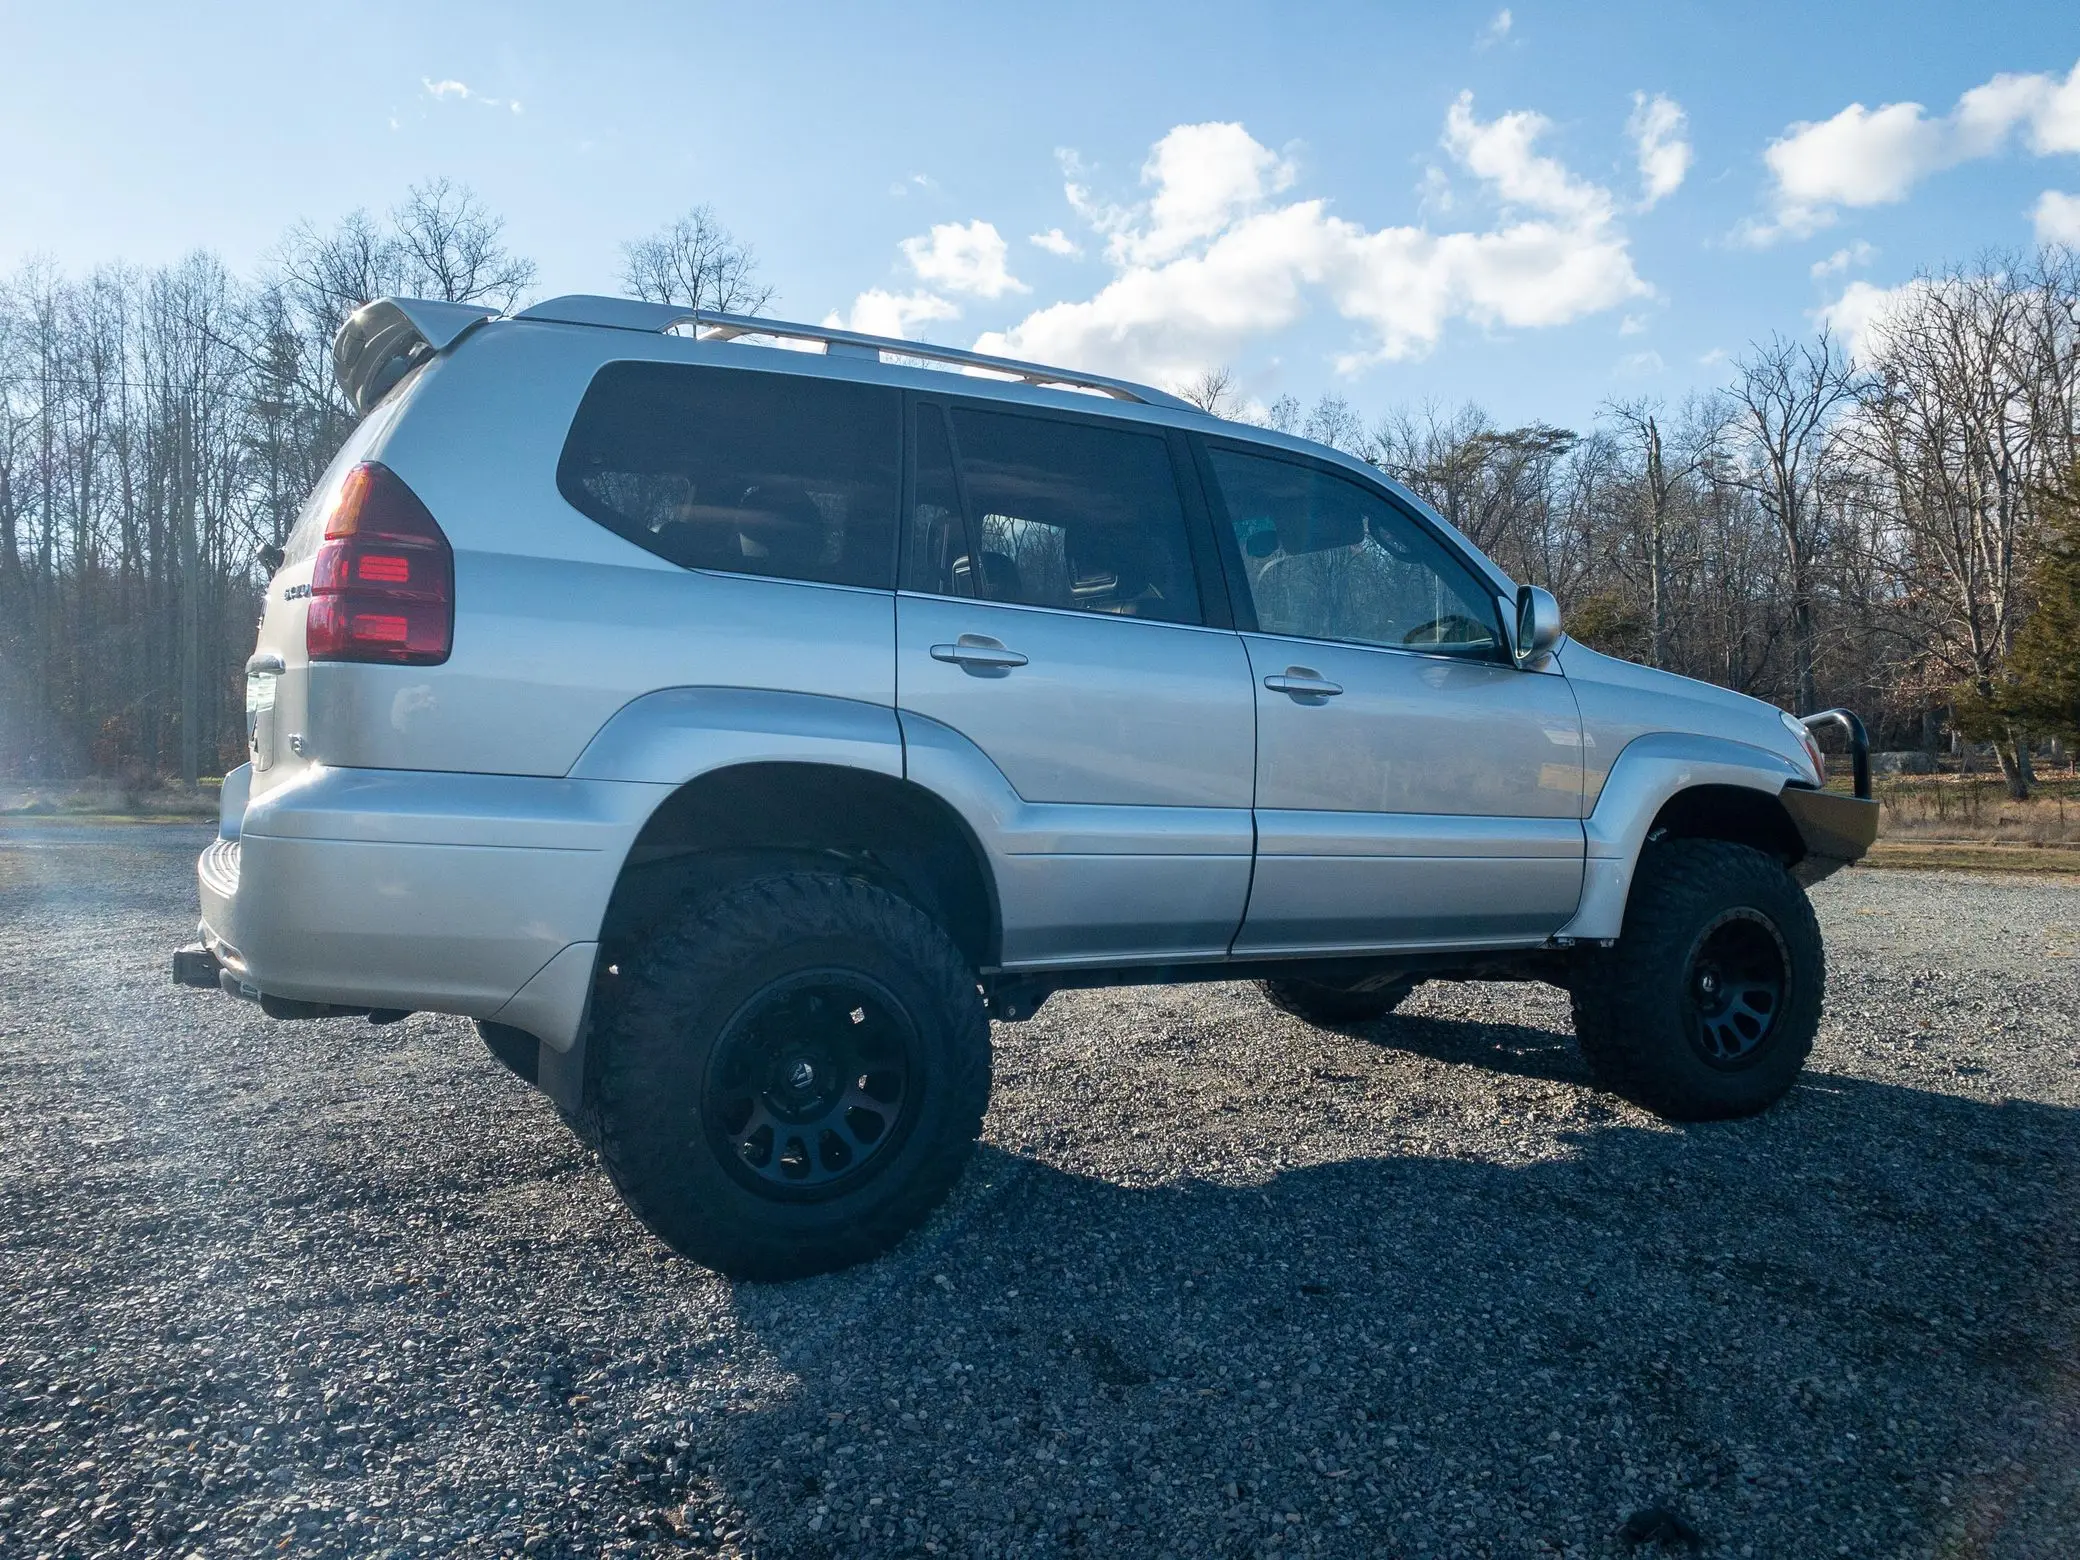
[(734, 731)]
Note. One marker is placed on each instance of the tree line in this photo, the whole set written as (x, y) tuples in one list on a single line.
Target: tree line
[(1897, 530), (160, 428)]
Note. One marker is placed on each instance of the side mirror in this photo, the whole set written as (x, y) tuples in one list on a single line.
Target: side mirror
[(1538, 624)]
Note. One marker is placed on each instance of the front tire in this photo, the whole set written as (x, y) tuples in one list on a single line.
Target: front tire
[(1707, 1006), (792, 1076)]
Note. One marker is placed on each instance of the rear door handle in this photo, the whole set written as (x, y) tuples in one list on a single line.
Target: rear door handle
[(1303, 683), (978, 652)]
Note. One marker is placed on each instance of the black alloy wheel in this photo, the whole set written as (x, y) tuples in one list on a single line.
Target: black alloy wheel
[(789, 1073), (1739, 970), (1707, 1007), (810, 1082)]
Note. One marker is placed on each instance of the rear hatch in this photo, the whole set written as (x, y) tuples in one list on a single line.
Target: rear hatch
[(366, 575)]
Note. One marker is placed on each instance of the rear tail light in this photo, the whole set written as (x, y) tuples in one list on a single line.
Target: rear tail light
[(383, 581)]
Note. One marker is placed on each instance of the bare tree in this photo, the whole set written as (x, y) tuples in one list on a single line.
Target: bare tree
[(1214, 392), (1955, 421), (1331, 421), (330, 275), (1491, 483), (452, 248), (697, 264), (157, 429), (1782, 415), (1663, 476)]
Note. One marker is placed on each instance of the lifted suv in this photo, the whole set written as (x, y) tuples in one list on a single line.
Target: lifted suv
[(734, 731)]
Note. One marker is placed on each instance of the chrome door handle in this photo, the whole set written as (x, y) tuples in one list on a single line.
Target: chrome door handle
[(978, 652), (1303, 683)]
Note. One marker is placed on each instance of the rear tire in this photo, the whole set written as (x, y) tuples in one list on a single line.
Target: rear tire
[(1707, 1006), (791, 1075), (1330, 1006)]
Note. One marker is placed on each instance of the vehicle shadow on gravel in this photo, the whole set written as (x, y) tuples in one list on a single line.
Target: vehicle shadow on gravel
[(1519, 1050), (1847, 1323)]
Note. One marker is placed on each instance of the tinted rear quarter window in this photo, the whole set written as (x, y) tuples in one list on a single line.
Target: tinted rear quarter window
[(740, 470)]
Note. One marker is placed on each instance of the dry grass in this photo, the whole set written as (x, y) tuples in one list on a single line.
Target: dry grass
[(1975, 810), (2063, 861), (93, 800)]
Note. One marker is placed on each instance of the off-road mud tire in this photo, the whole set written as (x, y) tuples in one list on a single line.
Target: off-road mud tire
[(674, 1003), (1629, 1000)]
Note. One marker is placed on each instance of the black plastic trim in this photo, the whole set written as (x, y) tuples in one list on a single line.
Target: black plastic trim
[(1837, 829)]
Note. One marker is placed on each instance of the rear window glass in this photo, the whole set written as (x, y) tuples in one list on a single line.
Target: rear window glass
[(755, 473), (1065, 514)]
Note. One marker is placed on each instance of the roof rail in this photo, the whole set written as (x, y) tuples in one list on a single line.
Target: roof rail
[(711, 325)]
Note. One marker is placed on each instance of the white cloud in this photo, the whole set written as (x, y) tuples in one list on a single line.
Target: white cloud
[(1874, 157), (963, 257), (1715, 356), (1497, 30), (1862, 312), (1639, 365), (450, 90), (1862, 252), (1633, 325), (1212, 261), (878, 312), (1656, 127), (1500, 154), (2057, 217), (1056, 242), (1205, 178)]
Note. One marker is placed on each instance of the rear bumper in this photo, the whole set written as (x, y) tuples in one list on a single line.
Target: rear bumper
[(1836, 830), (387, 889)]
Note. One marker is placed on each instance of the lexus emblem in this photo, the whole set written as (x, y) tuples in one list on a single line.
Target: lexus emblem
[(802, 1076)]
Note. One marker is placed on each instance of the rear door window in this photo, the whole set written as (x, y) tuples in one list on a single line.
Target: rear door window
[(1061, 513), (754, 473)]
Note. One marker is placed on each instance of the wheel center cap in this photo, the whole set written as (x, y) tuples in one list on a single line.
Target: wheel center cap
[(802, 1077)]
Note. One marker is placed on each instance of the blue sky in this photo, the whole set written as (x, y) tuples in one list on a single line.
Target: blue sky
[(1396, 203)]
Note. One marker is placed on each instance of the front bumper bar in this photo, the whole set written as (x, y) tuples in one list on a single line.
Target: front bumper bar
[(1837, 830)]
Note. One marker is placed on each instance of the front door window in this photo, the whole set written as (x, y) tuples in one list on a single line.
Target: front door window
[(1326, 559)]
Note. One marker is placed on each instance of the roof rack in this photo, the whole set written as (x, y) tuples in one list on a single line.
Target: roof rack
[(711, 325)]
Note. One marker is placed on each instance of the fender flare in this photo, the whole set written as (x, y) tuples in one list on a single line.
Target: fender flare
[(1646, 774), (675, 735), (662, 741)]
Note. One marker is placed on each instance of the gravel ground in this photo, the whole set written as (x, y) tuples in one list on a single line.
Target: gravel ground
[(1217, 1284)]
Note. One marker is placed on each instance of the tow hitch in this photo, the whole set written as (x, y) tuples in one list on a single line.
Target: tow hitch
[(198, 965)]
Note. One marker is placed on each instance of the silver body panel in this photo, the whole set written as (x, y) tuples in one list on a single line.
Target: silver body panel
[(448, 837), (1082, 883), (1106, 709), (1434, 800)]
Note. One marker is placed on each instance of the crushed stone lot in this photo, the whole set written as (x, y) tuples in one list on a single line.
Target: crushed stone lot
[(1216, 1284)]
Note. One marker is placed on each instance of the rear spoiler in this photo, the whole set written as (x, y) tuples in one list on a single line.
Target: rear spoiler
[(381, 342)]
